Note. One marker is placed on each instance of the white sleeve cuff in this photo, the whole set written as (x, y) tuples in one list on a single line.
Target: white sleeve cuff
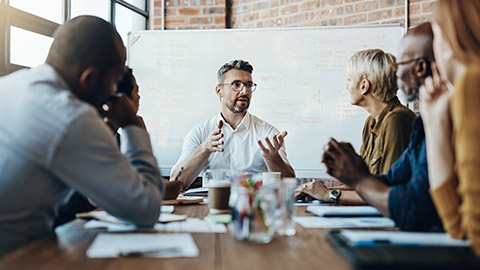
[(133, 139)]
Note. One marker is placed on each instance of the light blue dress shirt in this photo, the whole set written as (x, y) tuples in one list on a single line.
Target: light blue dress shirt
[(50, 143)]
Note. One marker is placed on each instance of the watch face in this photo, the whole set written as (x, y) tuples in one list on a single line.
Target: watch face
[(335, 192)]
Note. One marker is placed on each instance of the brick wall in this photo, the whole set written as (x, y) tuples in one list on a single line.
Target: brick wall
[(190, 14), (208, 14)]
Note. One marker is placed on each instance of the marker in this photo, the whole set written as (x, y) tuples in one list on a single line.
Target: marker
[(179, 172)]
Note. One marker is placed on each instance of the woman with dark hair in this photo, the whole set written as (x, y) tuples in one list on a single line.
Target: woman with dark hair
[(127, 85)]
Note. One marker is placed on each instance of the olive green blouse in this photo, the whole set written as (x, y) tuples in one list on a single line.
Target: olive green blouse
[(384, 141)]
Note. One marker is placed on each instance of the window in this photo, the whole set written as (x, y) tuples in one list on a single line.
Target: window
[(27, 26), (127, 21), (99, 8), (138, 3), (52, 10), (21, 51)]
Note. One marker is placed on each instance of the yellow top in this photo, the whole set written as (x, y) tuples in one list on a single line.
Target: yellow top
[(458, 199), (384, 141)]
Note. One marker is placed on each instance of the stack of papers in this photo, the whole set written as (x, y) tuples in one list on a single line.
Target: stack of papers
[(344, 217), (184, 200), (360, 222), (189, 225), (104, 216), (371, 238), (192, 225), (149, 245), (344, 211)]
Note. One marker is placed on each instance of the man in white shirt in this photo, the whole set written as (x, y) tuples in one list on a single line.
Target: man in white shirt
[(233, 138), (53, 140)]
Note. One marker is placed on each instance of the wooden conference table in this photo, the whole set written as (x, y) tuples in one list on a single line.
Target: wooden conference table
[(308, 249)]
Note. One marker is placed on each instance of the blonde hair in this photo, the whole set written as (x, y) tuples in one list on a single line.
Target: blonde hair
[(460, 25), (375, 66)]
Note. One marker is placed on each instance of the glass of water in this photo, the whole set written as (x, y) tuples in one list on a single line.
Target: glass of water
[(285, 210)]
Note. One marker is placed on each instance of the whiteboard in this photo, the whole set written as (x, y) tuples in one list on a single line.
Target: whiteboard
[(301, 77)]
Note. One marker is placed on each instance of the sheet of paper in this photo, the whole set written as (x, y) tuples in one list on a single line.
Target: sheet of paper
[(314, 202), (192, 225), (166, 217), (340, 211), (111, 226), (104, 216), (184, 200), (167, 209), (189, 225), (108, 245), (358, 222), (369, 238)]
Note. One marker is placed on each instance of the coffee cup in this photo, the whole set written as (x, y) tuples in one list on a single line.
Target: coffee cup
[(218, 196)]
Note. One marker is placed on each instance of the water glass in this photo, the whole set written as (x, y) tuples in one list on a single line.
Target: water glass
[(285, 210), (214, 175)]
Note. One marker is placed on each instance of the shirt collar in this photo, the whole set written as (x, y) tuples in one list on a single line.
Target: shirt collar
[(394, 102), (246, 121), (50, 72), (418, 133)]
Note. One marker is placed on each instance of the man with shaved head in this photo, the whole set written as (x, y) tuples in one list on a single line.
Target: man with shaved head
[(414, 59), (53, 138), (403, 193)]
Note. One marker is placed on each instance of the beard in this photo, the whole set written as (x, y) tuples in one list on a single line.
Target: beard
[(239, 109), (411, 93)]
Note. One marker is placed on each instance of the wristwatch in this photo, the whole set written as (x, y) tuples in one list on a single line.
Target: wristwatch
[(334, 194)]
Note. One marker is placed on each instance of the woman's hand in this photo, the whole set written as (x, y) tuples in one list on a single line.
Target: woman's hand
[(434, 102), (435, 110)]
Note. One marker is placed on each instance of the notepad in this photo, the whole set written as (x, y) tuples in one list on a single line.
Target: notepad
[(108, 245), (344, 211)]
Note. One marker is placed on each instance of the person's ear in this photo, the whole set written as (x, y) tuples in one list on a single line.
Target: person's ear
[(364, 86), (421, 68), (218, 91), (89, 78)]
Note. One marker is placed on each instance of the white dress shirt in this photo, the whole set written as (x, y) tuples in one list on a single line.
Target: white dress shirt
[(51, 142), (241, 150)]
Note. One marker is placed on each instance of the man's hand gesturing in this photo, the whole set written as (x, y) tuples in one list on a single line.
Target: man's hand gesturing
[(214, 142)]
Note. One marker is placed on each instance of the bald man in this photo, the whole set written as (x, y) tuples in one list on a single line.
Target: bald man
[(403, 193), (53, 140)]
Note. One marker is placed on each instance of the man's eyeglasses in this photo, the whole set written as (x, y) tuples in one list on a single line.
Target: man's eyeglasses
[(238, 86), (396, 64)]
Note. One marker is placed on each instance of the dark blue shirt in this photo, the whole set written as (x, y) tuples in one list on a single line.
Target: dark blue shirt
[(409, 201)]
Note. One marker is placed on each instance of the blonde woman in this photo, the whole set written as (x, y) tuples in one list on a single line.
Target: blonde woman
[(451, 118), (372, 85)]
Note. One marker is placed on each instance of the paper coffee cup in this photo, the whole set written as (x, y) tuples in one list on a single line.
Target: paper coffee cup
[(218, 196)]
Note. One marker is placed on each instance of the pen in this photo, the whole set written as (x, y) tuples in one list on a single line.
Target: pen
[(179, 172), (155, 251)]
